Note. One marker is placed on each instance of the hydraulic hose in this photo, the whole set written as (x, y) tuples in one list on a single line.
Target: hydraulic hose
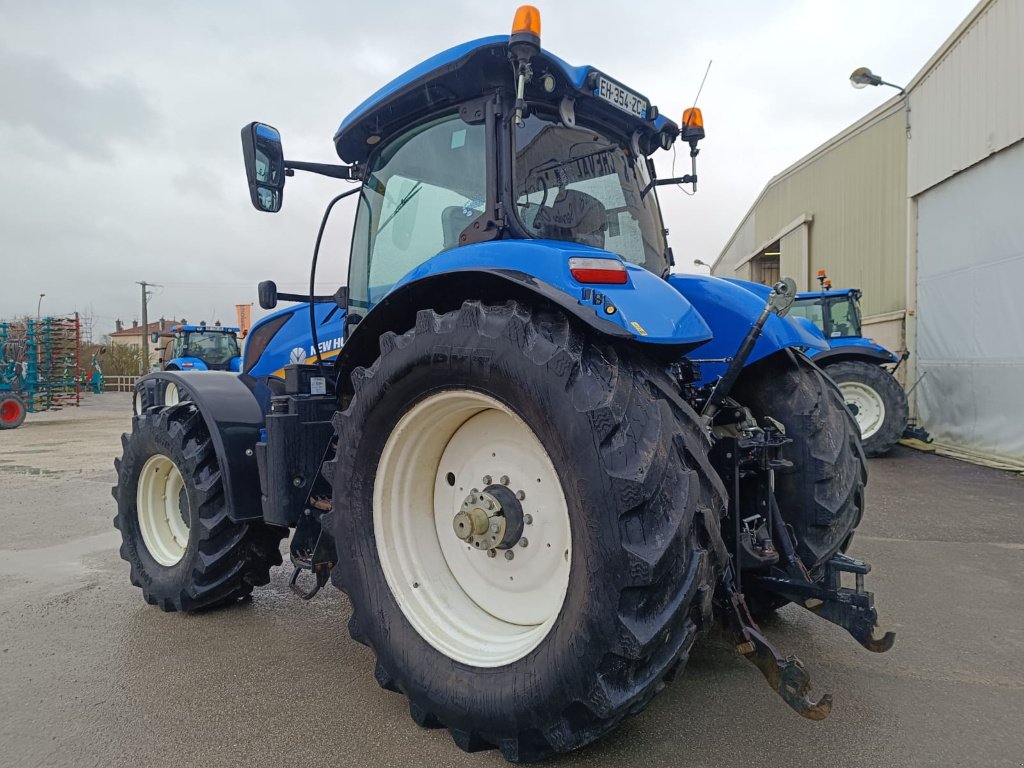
[(312, 276)]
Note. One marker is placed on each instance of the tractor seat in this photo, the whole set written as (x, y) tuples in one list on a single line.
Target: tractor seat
[(574, 216)]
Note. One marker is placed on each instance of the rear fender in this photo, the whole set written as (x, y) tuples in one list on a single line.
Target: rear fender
[(866, 352), (731, 307), (233, 408), (187, 364), (648, 312)]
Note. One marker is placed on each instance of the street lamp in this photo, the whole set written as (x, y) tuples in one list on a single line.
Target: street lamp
[(699, 263), (862, 77), (39, 304)]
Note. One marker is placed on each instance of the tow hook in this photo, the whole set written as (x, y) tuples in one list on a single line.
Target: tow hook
[(786, 675)]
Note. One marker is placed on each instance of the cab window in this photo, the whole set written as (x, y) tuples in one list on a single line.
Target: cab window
[(422, 190)]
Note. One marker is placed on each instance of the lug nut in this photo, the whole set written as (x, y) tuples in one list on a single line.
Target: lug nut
[(528, 519), (487, 480), (509, 554), (523, 542), (521, 495), (492, 553), (504, 480)]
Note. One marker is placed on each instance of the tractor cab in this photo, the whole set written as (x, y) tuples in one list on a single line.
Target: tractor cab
[(835, 313), (203, 348), (495, 139)]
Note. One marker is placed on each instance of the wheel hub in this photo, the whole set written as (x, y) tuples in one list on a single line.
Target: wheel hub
[(480, 522), (491, 519)]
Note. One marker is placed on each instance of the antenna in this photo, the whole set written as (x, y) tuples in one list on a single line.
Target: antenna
[(701, 88)]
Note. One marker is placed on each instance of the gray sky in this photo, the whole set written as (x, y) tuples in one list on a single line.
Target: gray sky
[(119, 123)]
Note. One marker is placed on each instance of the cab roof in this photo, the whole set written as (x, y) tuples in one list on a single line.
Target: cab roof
[(463, 72), (830, 294), (213, 328)]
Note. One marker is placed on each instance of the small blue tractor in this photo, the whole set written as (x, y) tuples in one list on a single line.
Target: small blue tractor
[(540, 465), (857, 364), (202, 348)]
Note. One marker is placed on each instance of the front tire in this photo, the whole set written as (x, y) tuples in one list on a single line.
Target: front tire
[(184, 551), (613, 473), (876, 400)]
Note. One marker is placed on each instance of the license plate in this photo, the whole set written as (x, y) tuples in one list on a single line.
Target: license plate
[(623, 98)]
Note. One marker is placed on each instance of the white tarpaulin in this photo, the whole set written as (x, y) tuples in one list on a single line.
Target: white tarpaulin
[(970, 325)]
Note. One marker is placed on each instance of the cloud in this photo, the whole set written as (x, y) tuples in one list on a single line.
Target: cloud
[(88, 119), (119, 123)]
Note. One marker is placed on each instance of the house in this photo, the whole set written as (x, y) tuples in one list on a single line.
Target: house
[(131, 336)]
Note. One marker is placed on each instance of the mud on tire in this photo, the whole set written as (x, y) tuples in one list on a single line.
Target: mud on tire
[(222, 560), (640, 493)]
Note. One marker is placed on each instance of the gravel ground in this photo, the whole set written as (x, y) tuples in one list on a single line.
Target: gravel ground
[(92, 676)]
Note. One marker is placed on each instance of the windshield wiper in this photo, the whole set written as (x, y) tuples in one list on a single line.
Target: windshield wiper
[(401, 204)]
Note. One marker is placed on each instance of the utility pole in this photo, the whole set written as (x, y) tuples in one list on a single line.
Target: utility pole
[(145, 324)]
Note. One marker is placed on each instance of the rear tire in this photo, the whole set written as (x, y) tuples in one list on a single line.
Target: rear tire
[(822, 495), (635, 492), (877, 401), (184, 551), (12, 411)]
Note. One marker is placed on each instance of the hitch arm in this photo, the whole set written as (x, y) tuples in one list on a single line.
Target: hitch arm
[(786, 675), (852, 609)]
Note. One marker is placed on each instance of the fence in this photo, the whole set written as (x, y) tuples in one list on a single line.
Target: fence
[(119, 383)]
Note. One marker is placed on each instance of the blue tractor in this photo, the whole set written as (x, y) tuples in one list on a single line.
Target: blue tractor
[(202, 348), (857, 364), (540, 465)]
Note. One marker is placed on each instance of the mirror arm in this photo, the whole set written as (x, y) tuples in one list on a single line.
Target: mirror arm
[(690, 178), (347, 172), (305, 297)]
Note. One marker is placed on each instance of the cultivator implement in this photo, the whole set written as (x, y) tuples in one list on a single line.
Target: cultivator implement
[(40, 365)]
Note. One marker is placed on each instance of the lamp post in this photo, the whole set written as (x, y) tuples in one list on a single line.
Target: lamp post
[(39, 305), (862, 77), (699, 263)]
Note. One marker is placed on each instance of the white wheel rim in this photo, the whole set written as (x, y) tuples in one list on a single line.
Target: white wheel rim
[(138, 402), (476, 609), (867, 406), (171, 394), (163, 510)]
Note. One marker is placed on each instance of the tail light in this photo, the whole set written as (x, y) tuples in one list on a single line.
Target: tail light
[(601, 271)]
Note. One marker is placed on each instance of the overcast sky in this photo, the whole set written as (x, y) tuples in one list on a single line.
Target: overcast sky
[(119, 123)]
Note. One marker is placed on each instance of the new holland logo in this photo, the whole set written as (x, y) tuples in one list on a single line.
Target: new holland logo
[(297, 356)]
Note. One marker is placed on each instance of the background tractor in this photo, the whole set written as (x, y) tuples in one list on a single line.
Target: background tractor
[(201, 348), (540, 466), (857, 364)]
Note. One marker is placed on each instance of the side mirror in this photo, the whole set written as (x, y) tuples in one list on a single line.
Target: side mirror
[(267, 291), (154, 337), (264, 166)]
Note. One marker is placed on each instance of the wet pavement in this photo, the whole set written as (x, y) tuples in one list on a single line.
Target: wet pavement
[(92, 676)]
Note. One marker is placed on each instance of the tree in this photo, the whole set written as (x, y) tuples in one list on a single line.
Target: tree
[(121, 360)]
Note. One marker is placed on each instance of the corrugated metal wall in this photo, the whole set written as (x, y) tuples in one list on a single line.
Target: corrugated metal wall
[(970, 103), (740, 247), (855, 190)]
